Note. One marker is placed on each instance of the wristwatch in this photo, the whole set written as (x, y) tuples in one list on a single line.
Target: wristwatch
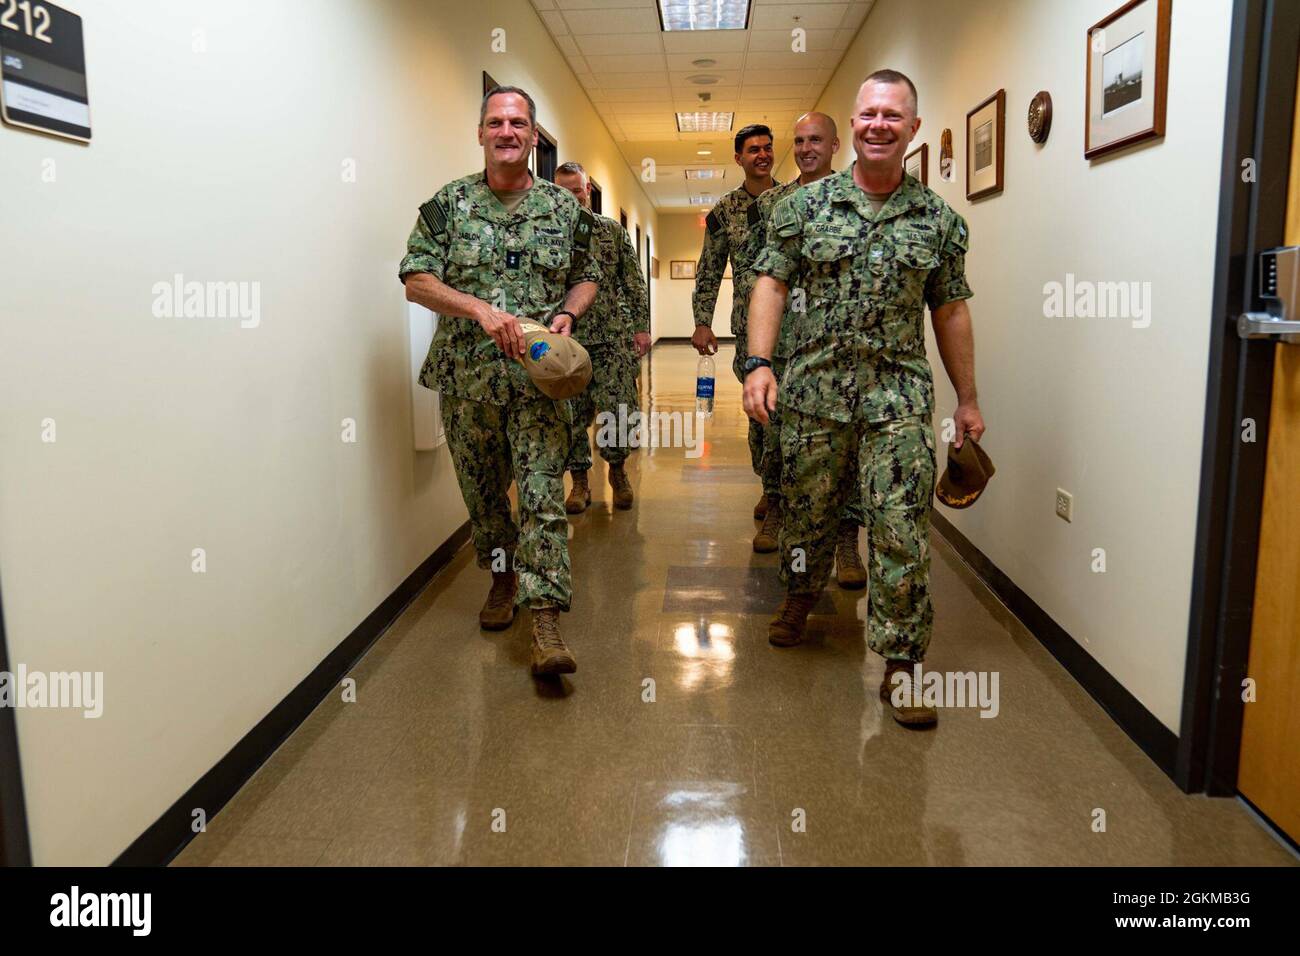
[(754, 362)]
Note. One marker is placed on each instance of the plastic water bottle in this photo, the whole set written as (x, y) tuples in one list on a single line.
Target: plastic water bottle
[(704, 387)]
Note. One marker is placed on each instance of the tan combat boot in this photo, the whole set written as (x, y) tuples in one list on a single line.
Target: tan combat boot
[(849, 572), (786, 629), (760, 509), (765, 542), (909, 712), (622, 487), (550, 655), (579, 495), (499, 611)]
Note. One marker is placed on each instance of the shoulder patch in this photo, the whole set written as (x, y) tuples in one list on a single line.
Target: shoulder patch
[(785, 219), (713, 222), (434, 216), (582, 229)]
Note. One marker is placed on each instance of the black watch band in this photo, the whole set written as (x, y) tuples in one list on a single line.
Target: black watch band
[(754, 362), (561, 312)]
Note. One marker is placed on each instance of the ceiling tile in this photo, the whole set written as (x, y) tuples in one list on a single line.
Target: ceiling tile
[(812, 16), (632, 81), (772, 40), (614, 44), (638, 20), (704, 41), (628, 63), (554, 22)]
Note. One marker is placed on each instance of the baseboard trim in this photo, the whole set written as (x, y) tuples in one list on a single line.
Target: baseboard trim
[(1156, 740), (171, 832)]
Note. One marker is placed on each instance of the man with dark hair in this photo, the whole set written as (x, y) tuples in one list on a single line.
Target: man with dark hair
[(872, 248), (486, 250), (727, 235), (616, 332)]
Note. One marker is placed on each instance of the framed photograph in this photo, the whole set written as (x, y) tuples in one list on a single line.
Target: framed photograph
[(681, 269), (986, 127), (1128, 77), (917, 164)]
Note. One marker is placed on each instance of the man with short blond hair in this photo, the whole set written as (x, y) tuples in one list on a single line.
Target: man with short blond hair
[(872, 248)]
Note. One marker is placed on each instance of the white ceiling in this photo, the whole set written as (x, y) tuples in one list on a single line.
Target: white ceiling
[(638, 76)]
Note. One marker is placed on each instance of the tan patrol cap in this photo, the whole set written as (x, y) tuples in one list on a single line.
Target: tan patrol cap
[(558, 366), (966, 476)]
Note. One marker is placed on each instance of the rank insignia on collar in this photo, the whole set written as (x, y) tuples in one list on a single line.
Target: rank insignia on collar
[(512, 259)]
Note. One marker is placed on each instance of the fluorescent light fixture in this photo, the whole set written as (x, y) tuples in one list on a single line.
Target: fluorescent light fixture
[(703, 14), (705, 173), (703, 199), (704, 122)]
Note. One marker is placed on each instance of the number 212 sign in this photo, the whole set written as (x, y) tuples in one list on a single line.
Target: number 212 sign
[(43, 69)]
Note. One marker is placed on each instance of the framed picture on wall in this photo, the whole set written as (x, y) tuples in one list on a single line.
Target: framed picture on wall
[(681, 269), (1128, 77), (917, 164), (986, 127)]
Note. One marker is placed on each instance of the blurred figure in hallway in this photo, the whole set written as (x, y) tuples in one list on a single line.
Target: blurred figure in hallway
[(616, 332)]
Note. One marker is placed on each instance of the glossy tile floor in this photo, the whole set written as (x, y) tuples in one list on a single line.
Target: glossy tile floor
[(745, 754)]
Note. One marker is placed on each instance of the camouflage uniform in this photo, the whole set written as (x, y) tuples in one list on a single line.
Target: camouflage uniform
[(770, 468), (857, 378), (621, 309), (498, 424), (731, 230)]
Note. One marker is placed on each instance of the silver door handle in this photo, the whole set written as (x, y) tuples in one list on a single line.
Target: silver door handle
[(1262, 325)]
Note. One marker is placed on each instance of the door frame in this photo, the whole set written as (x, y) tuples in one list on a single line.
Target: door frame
[(15, 846), (1265, 48)]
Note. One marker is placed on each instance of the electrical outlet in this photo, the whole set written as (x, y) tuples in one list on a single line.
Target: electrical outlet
[(1064, 504)]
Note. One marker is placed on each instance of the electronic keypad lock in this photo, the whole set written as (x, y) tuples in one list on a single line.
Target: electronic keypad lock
[(1279, 287)]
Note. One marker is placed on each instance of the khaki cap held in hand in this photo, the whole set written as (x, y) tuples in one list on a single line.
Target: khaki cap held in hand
[(966, 476), (558, 366)]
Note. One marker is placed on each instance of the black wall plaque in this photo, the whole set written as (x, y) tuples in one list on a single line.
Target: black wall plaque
[(43, 69)]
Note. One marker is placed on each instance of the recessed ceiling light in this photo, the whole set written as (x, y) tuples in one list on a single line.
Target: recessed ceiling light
[(704, 14), (703, 79), (703, 199), (704, 152), (705, 172), (704, 61), (702, 121)]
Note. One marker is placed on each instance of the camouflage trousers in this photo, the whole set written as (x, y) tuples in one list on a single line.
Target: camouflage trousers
[(772, 459), (755, 436), (613, 383), (894, 473), (525, 441)]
